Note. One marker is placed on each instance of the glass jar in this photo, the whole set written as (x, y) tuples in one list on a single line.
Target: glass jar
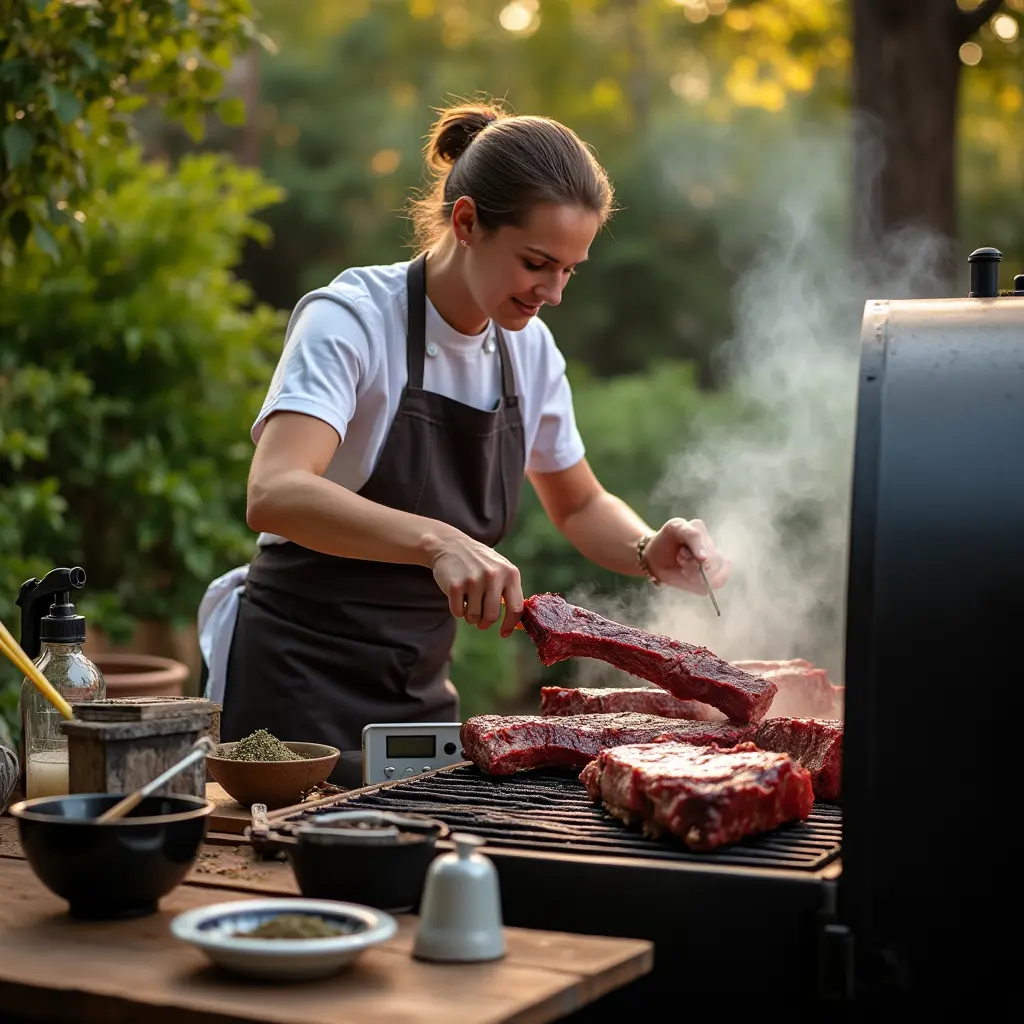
[(78, 681)]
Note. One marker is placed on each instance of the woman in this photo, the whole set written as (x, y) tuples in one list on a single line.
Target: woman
[(408, 405)]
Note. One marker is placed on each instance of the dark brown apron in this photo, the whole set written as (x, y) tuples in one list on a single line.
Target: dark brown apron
[(325, 645)]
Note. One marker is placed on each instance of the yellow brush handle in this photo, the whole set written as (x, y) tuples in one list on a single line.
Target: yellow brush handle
[(12, 649)]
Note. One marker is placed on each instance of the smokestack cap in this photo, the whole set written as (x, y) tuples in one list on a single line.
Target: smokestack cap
[(986, 254)]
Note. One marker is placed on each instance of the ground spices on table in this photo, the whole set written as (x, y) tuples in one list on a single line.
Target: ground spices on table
[(293, 926), (262, 746), (234, 863)]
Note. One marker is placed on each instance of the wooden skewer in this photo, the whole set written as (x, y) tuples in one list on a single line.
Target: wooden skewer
[(12, 649)]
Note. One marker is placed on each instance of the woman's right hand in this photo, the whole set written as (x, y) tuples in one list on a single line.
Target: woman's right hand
[(476, 579)]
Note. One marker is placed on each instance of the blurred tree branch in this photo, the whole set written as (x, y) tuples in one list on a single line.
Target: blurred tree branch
[(970, 21), (74, 73)]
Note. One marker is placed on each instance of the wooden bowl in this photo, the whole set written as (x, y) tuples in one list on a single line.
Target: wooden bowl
[(274, 783)]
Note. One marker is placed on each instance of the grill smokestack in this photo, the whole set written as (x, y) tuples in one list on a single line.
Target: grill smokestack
[(984, 273)]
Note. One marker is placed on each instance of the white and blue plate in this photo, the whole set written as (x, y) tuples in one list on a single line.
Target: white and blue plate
[(218, 931)]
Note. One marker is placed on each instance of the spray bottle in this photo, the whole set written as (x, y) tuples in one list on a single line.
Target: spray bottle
[(52, 634)]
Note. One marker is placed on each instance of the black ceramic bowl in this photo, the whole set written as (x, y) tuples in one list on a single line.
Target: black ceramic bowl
[(386, 873), (117, 870)]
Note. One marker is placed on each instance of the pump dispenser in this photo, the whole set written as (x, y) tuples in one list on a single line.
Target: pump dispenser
[(52, 634)]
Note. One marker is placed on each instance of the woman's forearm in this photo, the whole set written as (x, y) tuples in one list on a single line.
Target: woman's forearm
[(326, 517), (606, 530)]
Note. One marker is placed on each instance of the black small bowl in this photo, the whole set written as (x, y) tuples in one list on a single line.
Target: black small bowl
[(117, 870), (386, 875)]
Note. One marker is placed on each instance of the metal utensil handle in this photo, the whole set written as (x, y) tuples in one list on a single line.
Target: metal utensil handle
[(707, 586)]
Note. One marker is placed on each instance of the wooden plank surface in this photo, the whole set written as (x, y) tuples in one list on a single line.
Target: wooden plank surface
[(138, 709), (9, 843), (137, 971), (228, 815)]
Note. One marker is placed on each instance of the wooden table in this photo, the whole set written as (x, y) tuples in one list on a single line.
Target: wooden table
[(54, 968)]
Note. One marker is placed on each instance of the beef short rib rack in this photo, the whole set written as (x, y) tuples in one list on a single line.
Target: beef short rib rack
[(704, 795), (805, 690), (561, 630), (503, 745), (646, 700)]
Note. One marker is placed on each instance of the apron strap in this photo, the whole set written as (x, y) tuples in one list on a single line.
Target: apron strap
[(416, 343), (508, 374)]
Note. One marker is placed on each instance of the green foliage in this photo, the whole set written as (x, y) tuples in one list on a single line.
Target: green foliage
[(127, 376), (680, 102), (484, 670), (349, 164), (71, 72)]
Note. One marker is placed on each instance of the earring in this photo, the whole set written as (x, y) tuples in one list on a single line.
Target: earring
[(463, 241)]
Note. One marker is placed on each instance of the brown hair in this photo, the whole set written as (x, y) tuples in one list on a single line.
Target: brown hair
[(505, 163)]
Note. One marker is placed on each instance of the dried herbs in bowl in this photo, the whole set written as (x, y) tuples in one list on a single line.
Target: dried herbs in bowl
[(261, 769)]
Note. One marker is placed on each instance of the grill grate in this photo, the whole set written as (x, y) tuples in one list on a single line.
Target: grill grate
[(549, 811)]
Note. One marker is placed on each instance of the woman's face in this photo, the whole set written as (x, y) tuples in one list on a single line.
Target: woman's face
[(512, 272)]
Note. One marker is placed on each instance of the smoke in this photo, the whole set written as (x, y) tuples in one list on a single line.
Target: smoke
[(775, 491)]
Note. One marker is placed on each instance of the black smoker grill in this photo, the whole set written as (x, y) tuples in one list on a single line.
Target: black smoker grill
[(564, 865), (895, 905)]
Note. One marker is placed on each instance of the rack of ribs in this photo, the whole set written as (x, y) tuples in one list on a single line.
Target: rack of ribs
[(561, 630), (503, 745)]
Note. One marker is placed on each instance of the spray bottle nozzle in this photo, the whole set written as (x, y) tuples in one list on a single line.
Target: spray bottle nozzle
[(47, 613)]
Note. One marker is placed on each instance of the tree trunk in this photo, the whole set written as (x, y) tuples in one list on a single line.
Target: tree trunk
[(906, 80), (251, 135)]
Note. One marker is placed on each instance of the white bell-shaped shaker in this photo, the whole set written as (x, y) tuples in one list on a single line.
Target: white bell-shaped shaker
[(460, 913)]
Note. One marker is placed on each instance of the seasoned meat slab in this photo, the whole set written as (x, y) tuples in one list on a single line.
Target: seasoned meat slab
[(646, 700), (805, 691), (706, 796), (816, 743), (561, 630), (503, 745)]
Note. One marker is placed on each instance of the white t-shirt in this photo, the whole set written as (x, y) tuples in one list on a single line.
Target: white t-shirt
[(344, 362)]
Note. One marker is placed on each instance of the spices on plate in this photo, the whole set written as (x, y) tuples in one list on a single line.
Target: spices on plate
[(262, 746), (293, 926)]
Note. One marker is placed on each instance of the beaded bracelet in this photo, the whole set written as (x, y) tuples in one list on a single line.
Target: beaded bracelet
[(641, 558)]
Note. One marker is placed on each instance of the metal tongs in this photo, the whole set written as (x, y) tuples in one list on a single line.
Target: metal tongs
[(707, 587)]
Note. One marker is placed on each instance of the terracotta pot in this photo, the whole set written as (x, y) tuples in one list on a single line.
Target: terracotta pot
[(153, 638), (141, 675)]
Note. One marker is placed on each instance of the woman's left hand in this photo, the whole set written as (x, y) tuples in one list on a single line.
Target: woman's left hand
[(674, 551)]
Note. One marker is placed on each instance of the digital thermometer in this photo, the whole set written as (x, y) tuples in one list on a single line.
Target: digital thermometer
[(400, 750)]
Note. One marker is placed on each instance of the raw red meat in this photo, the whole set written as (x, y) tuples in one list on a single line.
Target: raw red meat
[(561, 630), (804, 690), (706, 796), (817, 744), (502, 745), (647, 700)]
